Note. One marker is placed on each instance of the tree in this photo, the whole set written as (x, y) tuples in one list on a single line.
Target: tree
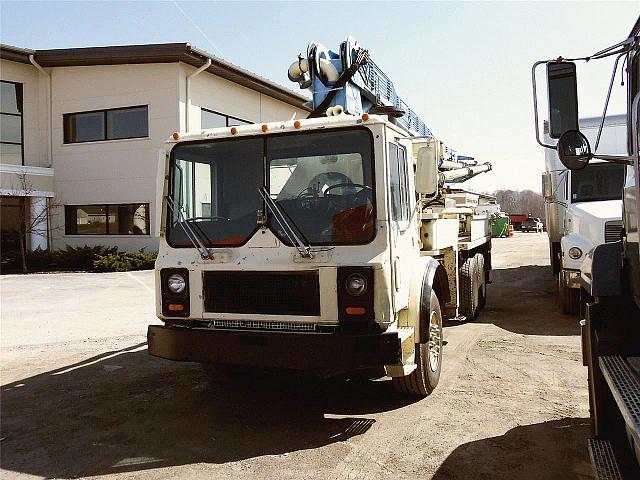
[(29, 222)]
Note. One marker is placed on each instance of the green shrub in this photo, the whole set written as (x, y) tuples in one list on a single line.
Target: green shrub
[(82, 258), (124, 261)]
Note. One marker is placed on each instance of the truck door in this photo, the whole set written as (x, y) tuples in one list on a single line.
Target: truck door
[(402, 223)]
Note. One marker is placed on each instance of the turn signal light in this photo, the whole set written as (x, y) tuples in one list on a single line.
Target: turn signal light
[(176, 307), (365, 117), (355, 310), (234, 130)]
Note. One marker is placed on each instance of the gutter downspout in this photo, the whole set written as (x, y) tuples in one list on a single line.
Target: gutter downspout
[(188, 99), (49, 110)]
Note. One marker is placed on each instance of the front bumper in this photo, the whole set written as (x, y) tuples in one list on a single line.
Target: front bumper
[(290, 350)]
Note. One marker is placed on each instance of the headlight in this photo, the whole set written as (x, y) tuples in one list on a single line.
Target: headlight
[(356, 285), (575, 253), (176, 283)]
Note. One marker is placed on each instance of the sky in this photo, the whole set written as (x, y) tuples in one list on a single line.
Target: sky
[(464, 67)]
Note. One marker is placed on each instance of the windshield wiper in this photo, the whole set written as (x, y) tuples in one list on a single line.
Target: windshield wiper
[(304, 249), (193, 237)]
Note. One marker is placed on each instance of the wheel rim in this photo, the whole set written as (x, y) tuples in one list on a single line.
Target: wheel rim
[(435, 341)]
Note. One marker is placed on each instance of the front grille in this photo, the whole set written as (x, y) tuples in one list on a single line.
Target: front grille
[(260, 325), (268, 293), (613, 231)]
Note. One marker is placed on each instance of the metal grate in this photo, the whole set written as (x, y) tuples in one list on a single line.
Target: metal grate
[(603, 460), (625, 388), (268, 293), (260, 325), (613, 231)]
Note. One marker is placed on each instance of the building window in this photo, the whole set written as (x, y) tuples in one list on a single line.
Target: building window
[(112, 124), (211, 119), (123, 219), (11, 129)]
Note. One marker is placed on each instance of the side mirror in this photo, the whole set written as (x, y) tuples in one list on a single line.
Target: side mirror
[(547, 186), (427, 171), (574, 150), (563, 97)]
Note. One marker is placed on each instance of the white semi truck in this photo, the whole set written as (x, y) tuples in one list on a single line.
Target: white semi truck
[(583, 207), (326, 244)]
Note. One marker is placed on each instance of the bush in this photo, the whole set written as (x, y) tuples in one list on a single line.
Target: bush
[(82, 258), (124, 261)]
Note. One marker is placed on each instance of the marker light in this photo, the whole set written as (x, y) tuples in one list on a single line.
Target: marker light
[(234, 130), (176, 136), (365, 117), (297, 124), (265, 127)]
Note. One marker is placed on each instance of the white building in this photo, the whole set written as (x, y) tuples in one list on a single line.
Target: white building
[(81, 130)]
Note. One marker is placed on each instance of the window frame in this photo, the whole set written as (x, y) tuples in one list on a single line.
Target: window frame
[(405, 209), (104, 112), (20, 106), (74, 218), (226, 117)]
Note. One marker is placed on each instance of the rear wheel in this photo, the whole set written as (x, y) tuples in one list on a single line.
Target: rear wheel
[(428, 356), (482, 282), (469, 289)]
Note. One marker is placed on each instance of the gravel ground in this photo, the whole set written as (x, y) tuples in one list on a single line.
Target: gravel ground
[(81, 397)]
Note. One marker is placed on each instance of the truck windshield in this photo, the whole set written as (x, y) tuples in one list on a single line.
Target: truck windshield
[(597, 182), (323, 182)]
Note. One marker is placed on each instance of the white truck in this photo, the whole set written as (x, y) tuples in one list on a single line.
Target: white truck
[(312, 245), (583, 207)]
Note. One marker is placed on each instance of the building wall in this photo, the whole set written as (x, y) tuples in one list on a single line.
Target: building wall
[(220, 95), (34, 115), (112, 171)]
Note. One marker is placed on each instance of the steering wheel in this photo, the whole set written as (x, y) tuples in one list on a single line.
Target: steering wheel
[(350, 185)]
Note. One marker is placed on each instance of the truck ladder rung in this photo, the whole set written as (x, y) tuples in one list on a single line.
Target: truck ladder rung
[(625, 388), (603, 460)]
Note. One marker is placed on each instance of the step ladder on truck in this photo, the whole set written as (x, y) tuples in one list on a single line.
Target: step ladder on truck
[(610, 271), (328, 244)]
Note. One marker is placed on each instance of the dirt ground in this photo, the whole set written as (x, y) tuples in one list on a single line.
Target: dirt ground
[(82, 398)]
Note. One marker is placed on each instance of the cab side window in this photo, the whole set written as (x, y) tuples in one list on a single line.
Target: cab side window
[(399, 188)]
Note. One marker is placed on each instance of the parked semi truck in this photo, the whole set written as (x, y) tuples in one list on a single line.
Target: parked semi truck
[(584, 207), (611, 271), (328, 244)]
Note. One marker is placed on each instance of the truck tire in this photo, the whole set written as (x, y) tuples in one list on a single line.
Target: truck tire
[(428, 357), (569, 298), (482, 283), (469, 289)]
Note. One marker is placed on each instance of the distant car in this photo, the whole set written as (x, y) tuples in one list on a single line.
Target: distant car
[(532, 224)]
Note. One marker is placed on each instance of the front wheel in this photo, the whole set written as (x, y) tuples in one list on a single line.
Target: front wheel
[(427, 356), (569, 298)]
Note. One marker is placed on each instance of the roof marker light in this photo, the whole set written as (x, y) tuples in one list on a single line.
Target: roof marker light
[(175, 135), (297, 124), (265, 127), (234, 130)]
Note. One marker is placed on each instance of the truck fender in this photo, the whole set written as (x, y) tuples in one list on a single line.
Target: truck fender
[(573, 240), (428, 276), (601, 272)]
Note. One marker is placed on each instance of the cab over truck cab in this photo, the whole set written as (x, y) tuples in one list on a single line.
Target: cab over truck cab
[(295, 245), (610, 272)]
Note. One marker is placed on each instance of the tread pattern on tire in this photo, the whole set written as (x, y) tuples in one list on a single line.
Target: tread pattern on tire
[(468, 288), (482, 283)]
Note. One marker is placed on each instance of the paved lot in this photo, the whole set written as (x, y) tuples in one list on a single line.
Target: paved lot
[(81, 397)]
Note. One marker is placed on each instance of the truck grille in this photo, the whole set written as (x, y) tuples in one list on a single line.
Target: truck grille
[(268, 293), (260, 325), (613, 231)]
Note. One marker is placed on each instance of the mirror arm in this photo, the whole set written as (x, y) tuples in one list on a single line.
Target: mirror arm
[(606, 102), (619, 159), (535, 104)]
